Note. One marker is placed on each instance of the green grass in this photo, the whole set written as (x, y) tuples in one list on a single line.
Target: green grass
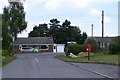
[(97, 58), (7, 60), (0, 61)]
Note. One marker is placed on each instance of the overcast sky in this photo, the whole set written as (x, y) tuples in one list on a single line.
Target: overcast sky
[(81, 13)]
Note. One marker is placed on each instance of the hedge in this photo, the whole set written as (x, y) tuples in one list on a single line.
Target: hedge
[(94, 44), (76, 49), (5, 53), (114, 48)]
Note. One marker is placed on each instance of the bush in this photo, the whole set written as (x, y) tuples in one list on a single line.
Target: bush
[(94, 44), (114, 48), (0, 52), (76, 49), (5, 53)]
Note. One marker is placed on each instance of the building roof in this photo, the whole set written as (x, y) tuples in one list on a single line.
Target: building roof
[(34, 40), (105, 39)]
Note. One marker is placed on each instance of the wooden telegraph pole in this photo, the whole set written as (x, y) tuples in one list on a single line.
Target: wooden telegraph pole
[(102, 27), (92, 30)]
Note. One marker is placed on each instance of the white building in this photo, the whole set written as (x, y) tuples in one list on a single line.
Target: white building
[(59, 48)]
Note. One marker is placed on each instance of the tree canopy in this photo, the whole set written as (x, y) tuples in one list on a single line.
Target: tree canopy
[(13, 22), (39, 31), (61, 33)]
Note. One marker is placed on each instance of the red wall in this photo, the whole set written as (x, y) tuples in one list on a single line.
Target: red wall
[(16, 48), (49, 50)]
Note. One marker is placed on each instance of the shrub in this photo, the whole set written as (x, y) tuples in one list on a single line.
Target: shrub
[(114, 47), (94, 44), (5, 53), (0, 52), (76, 49)]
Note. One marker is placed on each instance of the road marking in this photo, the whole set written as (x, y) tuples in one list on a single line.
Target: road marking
[(36, 59)]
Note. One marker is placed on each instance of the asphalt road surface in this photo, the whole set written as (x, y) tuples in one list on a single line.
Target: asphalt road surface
[(43, 66)]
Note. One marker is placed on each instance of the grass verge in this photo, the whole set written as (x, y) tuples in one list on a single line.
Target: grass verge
[(97, 58), (7, 60)]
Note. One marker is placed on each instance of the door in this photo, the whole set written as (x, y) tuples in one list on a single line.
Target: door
[(60, 48)]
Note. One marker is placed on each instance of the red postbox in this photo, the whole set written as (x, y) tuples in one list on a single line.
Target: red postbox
[(88, 47)]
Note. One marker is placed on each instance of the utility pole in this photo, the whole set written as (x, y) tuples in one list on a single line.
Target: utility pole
[(102, 27), (92, 30), (119, 18)]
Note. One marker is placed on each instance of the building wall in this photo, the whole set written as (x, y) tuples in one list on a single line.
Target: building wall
[(17, 50), (49, 50), (30, 45), (59, 48)]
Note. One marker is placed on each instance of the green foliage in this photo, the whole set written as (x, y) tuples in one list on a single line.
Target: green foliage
[(0, 31), (13, 23), (0, 52), (94, 44), (16, 20), (7, 60), (82, 38), (116, 39), (5, 53), (98, 58), (76, 49), (114, 47), (39, 31), (61, 33), (54, 24), (0, 22)]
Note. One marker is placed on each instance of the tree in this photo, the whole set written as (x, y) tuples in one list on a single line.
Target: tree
[(93, 42), (16, 20), (54, 26), (114, 47), (66, 24), (83, 37), (1, 22), (39, 31), (0, 31), (61, 33), (6, 36), (13, 22)]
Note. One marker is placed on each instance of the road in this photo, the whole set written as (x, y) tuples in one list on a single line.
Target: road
[(110, 71), (43, 66)]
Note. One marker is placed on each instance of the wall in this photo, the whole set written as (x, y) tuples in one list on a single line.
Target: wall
[(17, 50), (49, 50), (59, 48)]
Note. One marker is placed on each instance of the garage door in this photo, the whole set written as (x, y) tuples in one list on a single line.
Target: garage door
[(60, 48)]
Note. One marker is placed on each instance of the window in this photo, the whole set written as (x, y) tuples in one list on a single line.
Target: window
[(44, 47), (24, 45)]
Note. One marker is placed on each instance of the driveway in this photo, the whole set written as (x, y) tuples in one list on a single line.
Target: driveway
[(43, 66)]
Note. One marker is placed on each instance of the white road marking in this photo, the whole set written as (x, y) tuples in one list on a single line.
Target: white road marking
[(93, 71), (36, 59)]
